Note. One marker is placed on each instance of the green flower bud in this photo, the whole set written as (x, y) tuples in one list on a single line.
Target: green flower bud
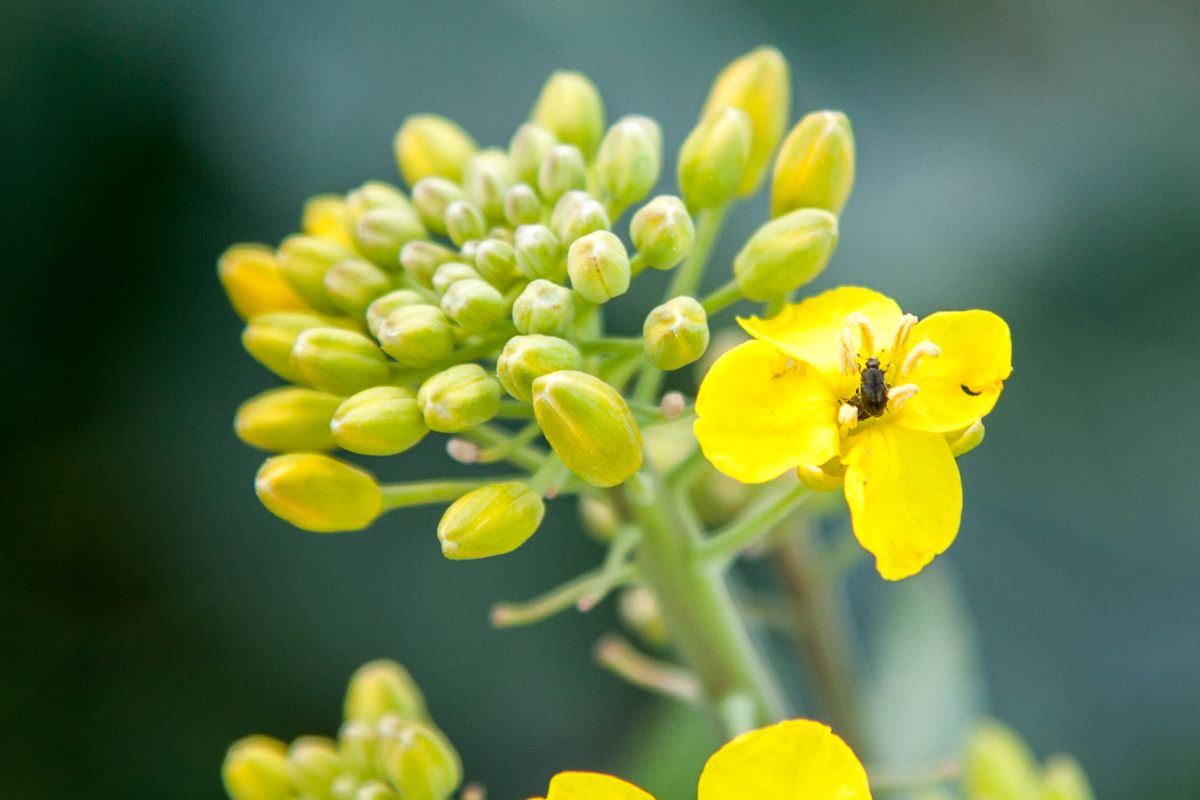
[(562, 171), (417, 336), (815, 167), (269, 339), (758, 83), (662, 231), (474, 304), (496, 262), (428, 145), (487, 179), (527, 358), (570, 107), (431, 197), (598, 518), (374, 195), (304, 260), (383, 688), (786, 253), (999, 765), (254, 282), (543, 307), (328, 217), (500, 233), (451, 273), (353, 285), (599, 267), (1064, 779), (358, 745), (376, 790), (381, 421), (382, 307), (589, 425), (338, 361), (318, 493), (459, 398), (675, 334), (522, 206), (419, 762), (286, 419), (630, 159), (381, 234), (464, 222), (539, 255), (714, 157), (256, 768), (580, 217), (490, 521), (641, 613), (527, 149), (421, 259), (314, 764)]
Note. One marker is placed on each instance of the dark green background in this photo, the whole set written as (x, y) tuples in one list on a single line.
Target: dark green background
[(1038, 159)]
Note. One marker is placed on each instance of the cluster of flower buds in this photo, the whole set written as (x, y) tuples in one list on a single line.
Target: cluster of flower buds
[(388, 749), (998, 765)]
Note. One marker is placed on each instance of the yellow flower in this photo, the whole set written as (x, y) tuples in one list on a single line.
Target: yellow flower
[(803, 394), (794, 759)]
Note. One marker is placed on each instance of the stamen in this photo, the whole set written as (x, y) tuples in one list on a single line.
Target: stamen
[(899, 395), (846, 354), (866, 331), (919, 351), (900, 340), (848, 416)]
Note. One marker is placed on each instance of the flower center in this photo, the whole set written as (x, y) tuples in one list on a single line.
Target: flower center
[(874, 395)]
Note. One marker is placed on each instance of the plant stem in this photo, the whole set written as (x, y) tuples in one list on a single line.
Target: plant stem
[(526, 457), (721, 298), (756, 522), (615, 653), (509, 615), (401, 495)]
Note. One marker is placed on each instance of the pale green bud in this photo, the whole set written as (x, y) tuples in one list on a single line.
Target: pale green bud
[(314, 764), (464, 222), (589, 425), (630, 159), (381, 421), (522, 206), (999, 765), (459, 398), (256, 768), (490, 521), (353, 285), (358, 745), (428, 145), (714, 157), (562, 171), (599, 267), (382, 307), (500, 233), (318, 493), (487, 178), (527, 358), (815, 167), (451, 273), (527, 149), (759, 84), (269, 338), (675, 334), (565, 204), (304, 260), (474, 304), (570, 107), (376, 790), (286, 419), (641, 613), (1063, 779), (419, 762), (466, 253), (345, 787), (662, 231), (496, 262), (373, 195), (383, 688), (421, 259), (338, 361), (543, 307), (598, 518), (579, 218), (417, 336), (381, 233), (539, 255), (431, 197), (786, 253)]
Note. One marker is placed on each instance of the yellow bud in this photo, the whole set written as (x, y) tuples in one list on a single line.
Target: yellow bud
[(562, 171), (318, 493), (381, 234), (256, 768), (451, 273), (598, 266), (314, 764), (474, 304), (374, 195), (786, 253), (304, 261), (255, 283), (629, 160), (490, 521), (419, 761), (382, 307), (353, 285), (428, 145), (543, 307), (662, 231), (759, 84), (539, 254), (714, 157), (421, 259), (328, 217), (464, 222), (815, 167), (383, 688), (269, 338), (358, 745), (459, 398), (589, 425), (966, 440), (338, 361), (287, 418), (527, 358), (675, 334), (526, 150), (496, 262), (487, 178), (1064, 779), (381, 421), (522, 206), (431, 197), (417, 336), (999, 765), (577, 217), (570, 107)]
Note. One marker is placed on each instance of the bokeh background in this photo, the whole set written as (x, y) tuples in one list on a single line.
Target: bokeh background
[(1036, 158)]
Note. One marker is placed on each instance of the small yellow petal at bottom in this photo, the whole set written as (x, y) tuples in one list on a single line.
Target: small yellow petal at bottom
[(592, 786)]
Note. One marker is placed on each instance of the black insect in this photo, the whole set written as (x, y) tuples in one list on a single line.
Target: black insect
[(871, 397)]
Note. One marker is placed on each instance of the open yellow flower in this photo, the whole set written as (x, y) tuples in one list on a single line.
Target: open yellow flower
[(797, 759), (844, 387)]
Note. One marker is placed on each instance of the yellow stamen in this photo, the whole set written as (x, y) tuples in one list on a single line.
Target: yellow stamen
[(866, 331), (899, 395), (846, 354), (848, 416), (919, 351), (900, 340)]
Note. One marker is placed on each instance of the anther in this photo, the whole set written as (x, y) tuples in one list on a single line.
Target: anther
[(462, 451), (846, 353), (919, 351), (866, 331), (900, 340), (848, 416), (899, 395)]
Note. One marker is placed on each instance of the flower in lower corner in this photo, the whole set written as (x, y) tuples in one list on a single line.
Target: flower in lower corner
[(793, 759), (847, 389)]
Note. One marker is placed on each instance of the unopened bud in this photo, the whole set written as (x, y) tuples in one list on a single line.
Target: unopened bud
[(599, 267), (421, 259), (459, 398), (381, 234), (759, 84), (383, 306), (318, 493), (417, 336), (629, 160), (353, 285), (419, 762), (589, 425), (570, 107), (269, 338), (287, 419), (562, 171), (255, 283), (474, 304), (490, 521), (314, 764), (662, 231), (599, 518), (675, 334), (256, 768), (786, 253), (464, 222), (713, 159), (487, 178), (338, 361), (383, 688), (376, 790), (381, 421), (639, 609), (451, 273), (543, 307), (578, 218), (527, 149), (1064, 779), (428, 145), (527, 358), (815, 167), (496, 262), (431, 197), (539, 254), (522, 206), (328, 216), (374, 195), (304, 261), (964, 441), (999, 765), (358, 745)]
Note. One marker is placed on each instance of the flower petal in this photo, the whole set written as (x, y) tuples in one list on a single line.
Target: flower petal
[(794, 759), (761, 414), (963, 383), (905, 496), (592, 786)]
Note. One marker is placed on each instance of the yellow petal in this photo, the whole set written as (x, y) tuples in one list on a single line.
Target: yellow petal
[(758, 417), (794, 760), (963, 383), (905, 496), (592, 786)]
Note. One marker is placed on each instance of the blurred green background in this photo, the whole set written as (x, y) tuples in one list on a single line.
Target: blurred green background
[(1038, 159)]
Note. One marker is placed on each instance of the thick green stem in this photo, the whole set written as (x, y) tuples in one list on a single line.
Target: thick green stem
[(721, 298)]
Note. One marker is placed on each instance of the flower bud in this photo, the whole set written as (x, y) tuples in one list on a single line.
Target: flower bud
[(589, 425), (599, 267), (1064, 779), (255, 283), (578, 218), (417, 336), (562, 171), (374, 195), (522, 206), (328, 216), (383, 688), (464, 222), (641, 613), (539, 255), (286, 419), (786, 253), (338, 361), (998, 765), (474, 304), (527, 149), (662, 231), (376, 790), (421, 259), (543, 307), (314, 764), (487, 178), (381, 421), (496, 262), (353, 285), (815, 167), (451, 273), (598, 518), (304, 261), (713, 159), (570, 107), (358, 745), (256, 768), (676, 333), (759, 84), (428, 145), (500, 233), (381, 234), (269, 339), (629, 160), (459, 398), (527, 358), (419, 762), (431, 197), (383, 306), (490, 521), (317, 493)]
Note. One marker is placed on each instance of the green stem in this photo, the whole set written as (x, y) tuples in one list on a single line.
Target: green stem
[(612, 344), (527, 457), (756, 522), (616, 654), (510, 615), (503, 450), (401, 495), (514, 409), (614, 561), (721, 298)]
